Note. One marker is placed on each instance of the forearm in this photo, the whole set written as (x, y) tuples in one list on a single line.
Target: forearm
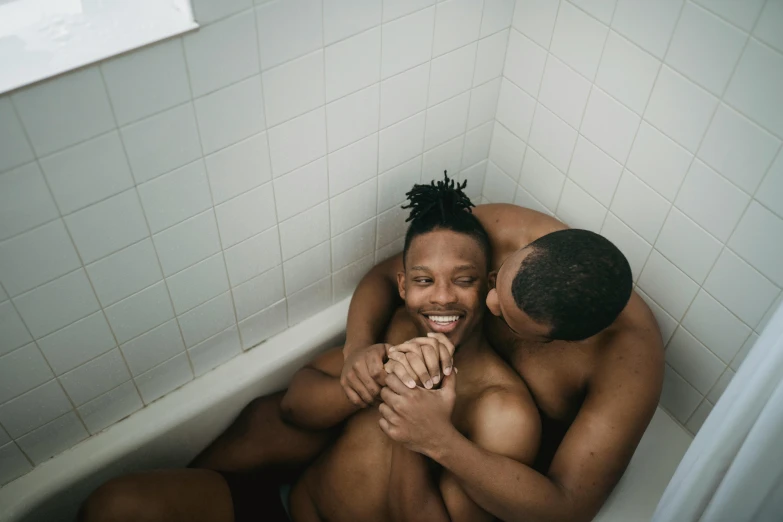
[(315, 401), (508, 489), (372, 305), (413, 494)]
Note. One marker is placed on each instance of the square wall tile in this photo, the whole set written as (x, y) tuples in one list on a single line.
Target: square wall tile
[(594, 171), (162, 142), (301, 189), (95, 378), (188, 242), (759, 240), (680, 108), (57, 304), (688, 246), (678, 397), (716, 327), (230, 115), (394, 183), (198, 283), (601, 9), (579, 209), (122, 274), (307, 268), (541, 179), (496, 16), (309, 301), (741, 14), (207, 11), (133, 80), (14, 148), (35, 257), (506, 151), (215, 351), (13, 332), (294, 88), (353, 64), (552, 138), (343, 18), (446, 120), (208, 319), (738, 148), (110, 407), (564, 91), (164, 378), (64, 110), (392, 249), (356, 243), (631, 244), (525, 199), (304, 230), (259, 293), (263, 325), (238, 168), (536, 19), (407, 42), (140, 312), (768, 24), (490, 57), (515, 109), (658, 161), (400, 142), (392, 10), (525, 63), (404, 95), (353, 207), (297, 142), (34, 409), (88, 172), (107, 226), (483, 103), (344, 281), (13, 463), (627, 72), (667, 285), (353, 164), (452, 73), (246, 215), (25, 201), (477, 143), (711, 201), (649, 25), (287, 30), (77, 343), (697, 365), (610, 125), (391, 226), (53, 438), (221, 53), (352, 118), (498, 186), (639, 207), (21, 371), (665, 321), (740, 288), (457, 23), (154, 347), (176, 196), (445, 157), (253, 256), (772, 186), (705, 48), (578, 39)]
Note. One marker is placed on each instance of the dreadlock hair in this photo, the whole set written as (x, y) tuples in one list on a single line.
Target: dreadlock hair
[(574, 280), (443, 205)]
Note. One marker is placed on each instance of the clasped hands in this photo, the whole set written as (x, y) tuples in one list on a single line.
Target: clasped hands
[(415, 383)]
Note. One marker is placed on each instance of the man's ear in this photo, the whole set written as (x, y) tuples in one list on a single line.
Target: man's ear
[(401, 284), (492, 279)]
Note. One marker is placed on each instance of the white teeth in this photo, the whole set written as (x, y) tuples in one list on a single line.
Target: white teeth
[(443, 319)]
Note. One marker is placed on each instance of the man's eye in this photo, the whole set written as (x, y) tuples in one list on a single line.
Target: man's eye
[(466, 281), (423, 280)]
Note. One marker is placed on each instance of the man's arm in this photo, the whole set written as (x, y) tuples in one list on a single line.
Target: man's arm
[(587, 465), (315, 399)]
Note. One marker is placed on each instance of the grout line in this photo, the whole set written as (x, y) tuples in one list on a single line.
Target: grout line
[(326, 141), (461, 166)]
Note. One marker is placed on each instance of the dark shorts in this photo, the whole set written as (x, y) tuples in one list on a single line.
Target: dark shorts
[(255, 498)]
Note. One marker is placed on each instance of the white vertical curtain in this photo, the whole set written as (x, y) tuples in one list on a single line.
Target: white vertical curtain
[(733, 470)]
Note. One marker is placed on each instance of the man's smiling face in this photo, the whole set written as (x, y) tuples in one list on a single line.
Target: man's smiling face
[(445, 283)]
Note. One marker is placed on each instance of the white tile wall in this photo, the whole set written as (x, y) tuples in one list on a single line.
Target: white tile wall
[(177, 196), (660, 125)]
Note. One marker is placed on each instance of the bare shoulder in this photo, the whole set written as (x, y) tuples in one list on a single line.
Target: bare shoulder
[(512, 222)]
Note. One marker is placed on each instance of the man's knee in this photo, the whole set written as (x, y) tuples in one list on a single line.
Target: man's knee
[(121, 500)]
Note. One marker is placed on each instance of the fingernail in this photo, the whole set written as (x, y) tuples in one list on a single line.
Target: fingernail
[(447, 370), (410, 384), (436, 379), (428, 384), (391, 349)]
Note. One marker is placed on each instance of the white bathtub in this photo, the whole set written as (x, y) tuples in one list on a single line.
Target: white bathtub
[(171, 431)]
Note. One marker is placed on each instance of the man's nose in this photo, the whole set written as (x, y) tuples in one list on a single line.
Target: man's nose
[(443, 293)]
